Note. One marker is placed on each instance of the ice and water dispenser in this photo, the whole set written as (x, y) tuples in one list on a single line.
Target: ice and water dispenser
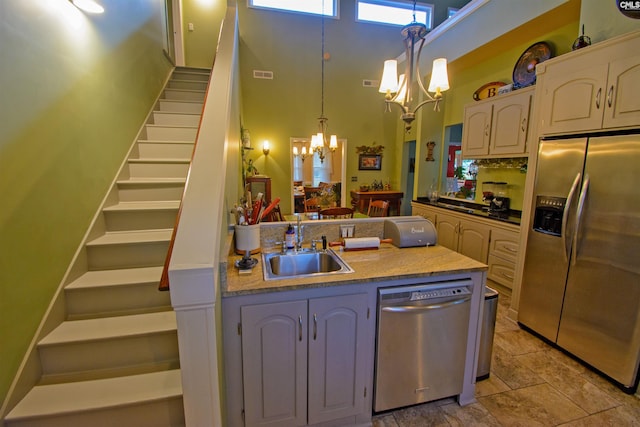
[(548, 215)]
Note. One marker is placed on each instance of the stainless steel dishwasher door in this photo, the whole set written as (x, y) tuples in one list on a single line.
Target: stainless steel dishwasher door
[(421, 343)]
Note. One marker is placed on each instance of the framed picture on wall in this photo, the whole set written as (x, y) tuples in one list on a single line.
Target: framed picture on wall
[(371, 162)]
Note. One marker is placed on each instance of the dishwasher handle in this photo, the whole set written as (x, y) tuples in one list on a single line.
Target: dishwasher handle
[(419, 308)]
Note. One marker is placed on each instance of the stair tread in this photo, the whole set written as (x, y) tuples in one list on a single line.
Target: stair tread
[(164, 141), (73, 331), (206, 70), (134, 236), (116, 277), (157, 160), (144, 205), (153, 125), (175, 113), (95, 394), (173, 79), (175, 89), (151, 180), (187, 101)]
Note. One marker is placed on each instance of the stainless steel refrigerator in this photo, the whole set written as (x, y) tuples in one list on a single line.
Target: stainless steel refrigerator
[(581, 280)]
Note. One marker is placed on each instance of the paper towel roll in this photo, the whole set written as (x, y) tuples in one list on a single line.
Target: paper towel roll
[(362, 243)]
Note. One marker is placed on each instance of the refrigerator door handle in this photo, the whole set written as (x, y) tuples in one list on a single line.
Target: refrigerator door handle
[(565, 217), (581, 202)]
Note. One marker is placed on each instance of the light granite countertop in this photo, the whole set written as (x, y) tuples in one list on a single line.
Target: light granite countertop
[(376, 265)]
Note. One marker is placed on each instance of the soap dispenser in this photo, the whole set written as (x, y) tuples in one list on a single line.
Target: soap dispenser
[(290, 237)]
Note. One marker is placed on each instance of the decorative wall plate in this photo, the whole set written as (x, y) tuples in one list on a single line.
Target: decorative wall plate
[(524, 72), (487, 91)]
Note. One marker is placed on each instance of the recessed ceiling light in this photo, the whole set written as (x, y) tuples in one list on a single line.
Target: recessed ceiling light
[(88, 6)]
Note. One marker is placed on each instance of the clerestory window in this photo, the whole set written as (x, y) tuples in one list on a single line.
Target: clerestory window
[(393, 12), (313, 7)]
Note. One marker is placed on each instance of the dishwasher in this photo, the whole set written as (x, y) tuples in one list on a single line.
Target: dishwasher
[(421, 342)]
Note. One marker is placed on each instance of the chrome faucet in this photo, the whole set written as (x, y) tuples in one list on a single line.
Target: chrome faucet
[(299, 237)]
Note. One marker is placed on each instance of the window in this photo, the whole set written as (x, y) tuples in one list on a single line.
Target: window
[(393, 12), (451, 11), (314, 7)]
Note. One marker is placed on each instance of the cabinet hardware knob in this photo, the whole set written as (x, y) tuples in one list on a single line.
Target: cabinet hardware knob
[(299, 328), (610, 96), (598, 98)]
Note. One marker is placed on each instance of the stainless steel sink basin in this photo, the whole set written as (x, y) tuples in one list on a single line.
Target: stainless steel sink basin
[(302, 264)]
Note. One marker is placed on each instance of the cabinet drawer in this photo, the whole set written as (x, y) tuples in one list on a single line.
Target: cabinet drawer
[(501, 271), (504, 245)]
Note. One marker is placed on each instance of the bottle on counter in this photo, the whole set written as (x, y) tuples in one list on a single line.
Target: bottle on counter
[(290, 237)]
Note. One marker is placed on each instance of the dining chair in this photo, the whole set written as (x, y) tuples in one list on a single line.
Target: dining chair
[(336, 212), (312, 205), (310, 192), (378, 208), (275, 215)]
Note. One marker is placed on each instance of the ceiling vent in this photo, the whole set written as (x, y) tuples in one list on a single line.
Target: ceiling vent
[(371, 83), (261, 74)]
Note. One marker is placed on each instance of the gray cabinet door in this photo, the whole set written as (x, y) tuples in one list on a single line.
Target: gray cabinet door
[(274, 363), (337, 363)]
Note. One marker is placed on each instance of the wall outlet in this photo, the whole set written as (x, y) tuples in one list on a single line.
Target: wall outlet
[(347, 230)]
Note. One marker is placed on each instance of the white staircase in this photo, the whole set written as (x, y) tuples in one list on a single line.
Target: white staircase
[(114, 360)]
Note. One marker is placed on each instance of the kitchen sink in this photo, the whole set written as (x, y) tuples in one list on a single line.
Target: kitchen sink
[(279, 265)]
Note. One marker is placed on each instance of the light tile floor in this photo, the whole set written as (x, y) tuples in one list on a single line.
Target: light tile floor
[(530, 384)]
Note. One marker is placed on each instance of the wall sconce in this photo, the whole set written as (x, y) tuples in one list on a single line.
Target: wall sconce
[(89, 6), (265, 147)]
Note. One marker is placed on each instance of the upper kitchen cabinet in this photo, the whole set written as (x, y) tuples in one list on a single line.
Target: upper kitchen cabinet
[(497, 127), (591, 89), (476, 130)]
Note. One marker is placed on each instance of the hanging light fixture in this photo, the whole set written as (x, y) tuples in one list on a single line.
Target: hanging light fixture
[(399, 90), (303, 154), (319, 140)]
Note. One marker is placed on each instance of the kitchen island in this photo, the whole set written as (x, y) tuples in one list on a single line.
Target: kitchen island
[(314, 337)]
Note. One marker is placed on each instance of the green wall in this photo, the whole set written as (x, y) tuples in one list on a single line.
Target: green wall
[(76, 89), (602, 20), (289, 105), (200, 43)]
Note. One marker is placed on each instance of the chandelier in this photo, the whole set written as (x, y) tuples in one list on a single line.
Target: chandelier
[(399, 90), (319, 140)]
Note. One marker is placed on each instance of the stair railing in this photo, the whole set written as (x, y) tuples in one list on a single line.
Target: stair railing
[(201, 233)]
